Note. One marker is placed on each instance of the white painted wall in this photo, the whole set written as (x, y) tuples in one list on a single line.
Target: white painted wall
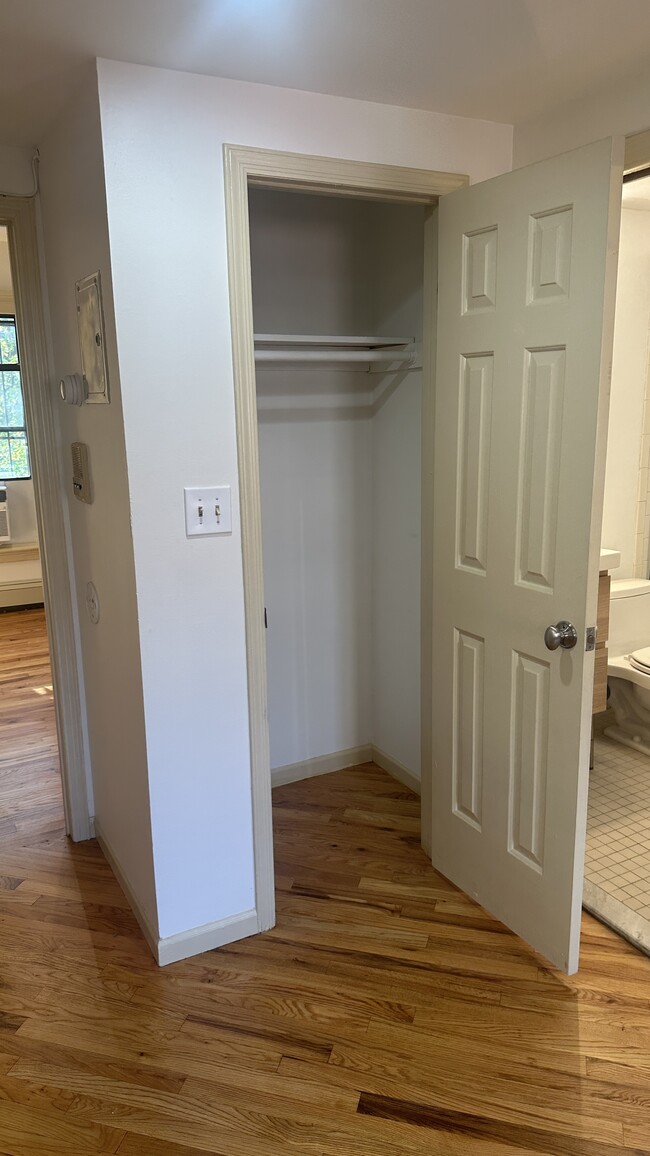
[(310, 263), (316, 508), (629, 373), (76, 243), (310, 268), (397, 276), (622, 108), (396, 544), (163, 136), (15, 170)]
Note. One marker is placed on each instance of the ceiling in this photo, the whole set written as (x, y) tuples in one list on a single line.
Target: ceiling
[(504, 60)]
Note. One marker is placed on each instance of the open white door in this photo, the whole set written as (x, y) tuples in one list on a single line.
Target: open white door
[(527, 268)]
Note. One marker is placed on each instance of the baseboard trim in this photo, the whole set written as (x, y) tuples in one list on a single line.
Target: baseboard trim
[(396, 770), (322, 765), (206, 938), (111, 858), (173, 948), (18, 594)]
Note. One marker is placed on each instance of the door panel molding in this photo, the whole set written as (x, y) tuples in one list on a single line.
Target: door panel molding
[(546, 319)]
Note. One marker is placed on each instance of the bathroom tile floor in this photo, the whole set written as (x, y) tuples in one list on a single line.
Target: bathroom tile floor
[(617, 865)]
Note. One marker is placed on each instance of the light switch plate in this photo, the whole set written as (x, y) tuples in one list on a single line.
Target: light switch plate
[(208, 510)]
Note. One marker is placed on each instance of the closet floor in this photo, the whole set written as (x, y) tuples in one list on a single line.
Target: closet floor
[(617, 863), (384, 1015)]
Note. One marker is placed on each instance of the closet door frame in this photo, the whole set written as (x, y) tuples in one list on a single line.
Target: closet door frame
[(245, 167)]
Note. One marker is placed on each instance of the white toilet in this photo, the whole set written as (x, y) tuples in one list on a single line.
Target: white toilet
[(628, 665)]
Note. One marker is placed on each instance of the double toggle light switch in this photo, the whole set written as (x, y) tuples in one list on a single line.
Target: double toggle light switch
[(207, 510)]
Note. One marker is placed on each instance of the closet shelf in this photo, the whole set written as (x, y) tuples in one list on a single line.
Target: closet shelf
[(333, 349)]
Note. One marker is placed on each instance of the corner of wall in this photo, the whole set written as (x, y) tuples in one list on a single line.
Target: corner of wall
[(75, 243)]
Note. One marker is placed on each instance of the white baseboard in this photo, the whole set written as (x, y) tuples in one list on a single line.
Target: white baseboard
[(322, 765), (21, 593), (175, 947), (396, 770), (150, 935), (339, 760), (206, 938)]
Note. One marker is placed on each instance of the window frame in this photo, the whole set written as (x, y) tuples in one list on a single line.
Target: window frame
[(15, 367)]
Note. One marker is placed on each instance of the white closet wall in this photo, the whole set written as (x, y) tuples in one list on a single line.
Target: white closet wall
[(340, 478), (397, 280), (316, 509)]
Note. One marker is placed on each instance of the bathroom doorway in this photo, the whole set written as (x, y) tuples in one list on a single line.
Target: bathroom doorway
[(617, 865)]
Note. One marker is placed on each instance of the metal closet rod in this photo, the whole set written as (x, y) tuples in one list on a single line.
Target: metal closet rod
[(385, 356)]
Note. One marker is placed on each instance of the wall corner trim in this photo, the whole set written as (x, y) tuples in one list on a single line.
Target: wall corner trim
[(396, 770), (196, 940)]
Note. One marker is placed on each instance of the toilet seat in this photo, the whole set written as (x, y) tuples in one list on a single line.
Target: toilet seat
[(640, 660)]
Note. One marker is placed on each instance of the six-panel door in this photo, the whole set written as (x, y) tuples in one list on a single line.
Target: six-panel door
[(525, 268)]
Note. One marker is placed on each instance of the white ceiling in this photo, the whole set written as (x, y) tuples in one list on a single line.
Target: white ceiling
[(504, 60)]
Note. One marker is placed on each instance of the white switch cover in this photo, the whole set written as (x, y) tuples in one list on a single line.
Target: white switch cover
[(207, 510)]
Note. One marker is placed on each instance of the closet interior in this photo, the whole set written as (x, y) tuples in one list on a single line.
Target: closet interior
[(338, 315)]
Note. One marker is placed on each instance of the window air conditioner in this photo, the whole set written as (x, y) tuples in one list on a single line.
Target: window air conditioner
[(5, 533)]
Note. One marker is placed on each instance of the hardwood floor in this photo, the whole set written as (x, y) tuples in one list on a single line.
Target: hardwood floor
[(385, 1014)]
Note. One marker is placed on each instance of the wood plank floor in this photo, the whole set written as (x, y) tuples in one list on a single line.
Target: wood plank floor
[(384, 1015)]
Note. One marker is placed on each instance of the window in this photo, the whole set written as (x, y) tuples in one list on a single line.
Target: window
[(14, 453)]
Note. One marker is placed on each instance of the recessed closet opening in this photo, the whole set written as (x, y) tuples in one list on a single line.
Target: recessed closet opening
[(337, 292)]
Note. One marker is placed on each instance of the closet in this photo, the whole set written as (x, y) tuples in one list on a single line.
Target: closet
[(338, 315)]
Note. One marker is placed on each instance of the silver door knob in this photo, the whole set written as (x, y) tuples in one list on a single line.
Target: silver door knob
[(563, 634)]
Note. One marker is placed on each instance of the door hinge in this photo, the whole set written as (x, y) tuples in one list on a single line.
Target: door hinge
[(590, 642)]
